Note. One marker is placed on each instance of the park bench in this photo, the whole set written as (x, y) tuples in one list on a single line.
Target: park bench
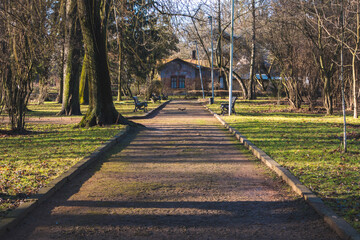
[(164, 97), (139, 105), (155, 98), (225, 106)]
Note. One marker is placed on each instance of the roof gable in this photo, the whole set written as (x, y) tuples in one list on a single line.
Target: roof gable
[(192, 65)]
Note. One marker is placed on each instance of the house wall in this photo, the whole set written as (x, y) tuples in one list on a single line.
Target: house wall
[(191, 74)]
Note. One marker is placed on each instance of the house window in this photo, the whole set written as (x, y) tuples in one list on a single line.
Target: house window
[(178, 82), (173, 82), (181, 82)]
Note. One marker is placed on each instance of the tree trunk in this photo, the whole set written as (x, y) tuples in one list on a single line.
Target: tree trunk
[(61, 32), (120, 47), (354, 86), (354, 60), (72, 55), (251, 88), (43, 94), (120, 68), (93, 19), (241, 83), (84, 84), (328, 101), (119, 73), (61, 83)]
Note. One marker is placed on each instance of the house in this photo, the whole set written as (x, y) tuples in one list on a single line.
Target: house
[(183, 77)]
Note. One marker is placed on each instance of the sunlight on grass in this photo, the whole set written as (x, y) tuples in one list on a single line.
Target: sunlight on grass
[(29, 162), (51, 109), (309, 146)]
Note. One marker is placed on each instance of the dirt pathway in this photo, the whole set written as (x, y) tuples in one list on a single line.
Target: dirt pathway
[(182, 178)]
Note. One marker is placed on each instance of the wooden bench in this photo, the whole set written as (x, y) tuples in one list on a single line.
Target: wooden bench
[(225, 106), (164, 97), (139, 105), (155, 98)]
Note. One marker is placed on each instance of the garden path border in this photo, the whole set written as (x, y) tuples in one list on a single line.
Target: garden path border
[(337, 223), (15, 216)]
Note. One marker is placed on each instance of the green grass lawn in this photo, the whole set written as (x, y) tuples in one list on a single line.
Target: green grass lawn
[(29, 162), (308, 145), (50, 109)]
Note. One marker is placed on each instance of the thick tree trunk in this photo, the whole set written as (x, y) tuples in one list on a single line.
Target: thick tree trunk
[(93, 19), (127, 90), (72, 55), (42, 88), (326, 71)]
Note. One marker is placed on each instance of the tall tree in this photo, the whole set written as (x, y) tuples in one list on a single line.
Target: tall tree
[(146, 38), (72, 57), (332, 27), (93, 19), (326, 50), (251, 88)]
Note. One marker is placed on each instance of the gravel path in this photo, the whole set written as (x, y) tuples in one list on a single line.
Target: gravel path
[(183, 178)]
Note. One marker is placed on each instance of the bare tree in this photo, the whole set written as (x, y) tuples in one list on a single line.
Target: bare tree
[(22, 52)]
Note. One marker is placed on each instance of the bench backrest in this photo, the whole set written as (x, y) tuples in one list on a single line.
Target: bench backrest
[(233, 100), (136, 100)]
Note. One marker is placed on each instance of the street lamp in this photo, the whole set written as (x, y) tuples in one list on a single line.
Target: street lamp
[(212, 62), (202, 85), (231, 56)]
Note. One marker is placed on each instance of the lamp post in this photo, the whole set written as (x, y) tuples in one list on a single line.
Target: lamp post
[(212, 62), (231, 57), (202, 85)]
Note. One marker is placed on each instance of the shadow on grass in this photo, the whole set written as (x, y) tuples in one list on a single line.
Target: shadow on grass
[(10, 133)]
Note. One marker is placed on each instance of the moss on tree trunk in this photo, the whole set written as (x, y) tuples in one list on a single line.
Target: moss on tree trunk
[(72, 55), (84, 85), (93, 18)]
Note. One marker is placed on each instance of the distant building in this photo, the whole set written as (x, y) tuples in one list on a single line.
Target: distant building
[(182, 77)]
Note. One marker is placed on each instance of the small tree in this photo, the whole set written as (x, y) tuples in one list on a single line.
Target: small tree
[(20, 54)]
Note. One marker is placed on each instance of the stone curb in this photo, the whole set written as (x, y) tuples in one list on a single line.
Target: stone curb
[(16, 215), (148, 114), (336, 223)]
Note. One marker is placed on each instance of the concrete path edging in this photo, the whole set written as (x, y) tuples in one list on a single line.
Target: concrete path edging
[(152, 112), (338, 224), (16, 215)]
